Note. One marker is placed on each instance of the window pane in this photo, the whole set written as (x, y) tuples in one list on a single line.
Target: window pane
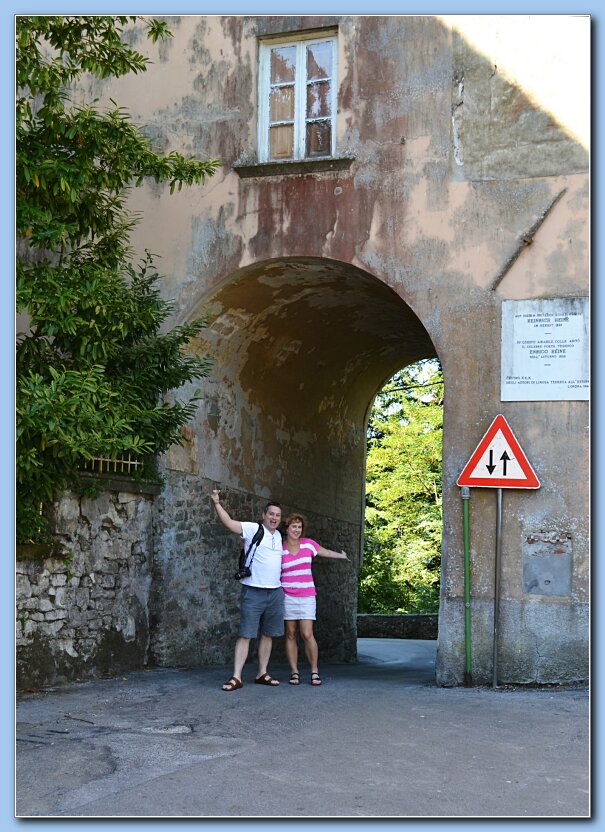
[(297, 90), (282, 104), (283, 64), (318, 99), (319, 135), (281, 142), (319, 61)]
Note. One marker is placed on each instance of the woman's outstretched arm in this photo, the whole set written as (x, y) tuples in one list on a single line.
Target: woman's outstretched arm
[(329, 553)]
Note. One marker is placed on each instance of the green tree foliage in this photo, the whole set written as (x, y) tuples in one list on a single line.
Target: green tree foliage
[(403, 522), (93, 369)]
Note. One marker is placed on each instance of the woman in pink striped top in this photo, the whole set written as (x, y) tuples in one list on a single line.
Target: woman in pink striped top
[(299, 593)]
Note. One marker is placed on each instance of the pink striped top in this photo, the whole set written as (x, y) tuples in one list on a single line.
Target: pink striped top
[(296, 577)]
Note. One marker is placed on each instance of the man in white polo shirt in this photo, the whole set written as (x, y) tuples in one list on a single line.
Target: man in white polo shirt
[(262, 597)]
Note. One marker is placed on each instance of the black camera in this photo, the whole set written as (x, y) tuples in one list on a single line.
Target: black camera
[(242, 573)]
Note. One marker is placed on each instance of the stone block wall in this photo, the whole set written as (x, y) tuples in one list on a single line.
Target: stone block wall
[(397, 626), (85, 612), (195, 599)]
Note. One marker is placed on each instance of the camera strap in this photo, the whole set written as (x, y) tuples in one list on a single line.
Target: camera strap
[(258, 536)]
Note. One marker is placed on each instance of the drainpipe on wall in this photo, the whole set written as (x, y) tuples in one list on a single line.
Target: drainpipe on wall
[(466, 494)]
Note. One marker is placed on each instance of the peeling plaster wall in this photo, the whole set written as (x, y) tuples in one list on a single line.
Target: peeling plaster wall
[(323, 284)]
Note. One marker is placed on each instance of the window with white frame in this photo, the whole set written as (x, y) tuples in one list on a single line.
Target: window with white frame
[(297, 96)]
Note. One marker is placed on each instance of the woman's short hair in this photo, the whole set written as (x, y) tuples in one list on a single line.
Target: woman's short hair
[(295, 518)]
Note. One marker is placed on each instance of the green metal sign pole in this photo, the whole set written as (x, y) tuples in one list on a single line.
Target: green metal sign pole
[(497, 582)]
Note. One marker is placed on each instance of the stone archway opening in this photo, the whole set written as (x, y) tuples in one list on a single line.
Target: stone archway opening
[(301, 346), (399, 582)]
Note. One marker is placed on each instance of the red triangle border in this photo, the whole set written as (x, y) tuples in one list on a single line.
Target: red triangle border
[(530, 481)]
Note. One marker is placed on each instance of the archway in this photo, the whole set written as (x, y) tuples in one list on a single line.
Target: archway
[(403, 512), (301, 345)]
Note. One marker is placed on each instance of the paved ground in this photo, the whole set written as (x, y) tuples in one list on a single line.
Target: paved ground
[(376, 740)]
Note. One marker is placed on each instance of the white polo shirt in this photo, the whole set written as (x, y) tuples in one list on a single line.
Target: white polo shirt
[(266, 564)]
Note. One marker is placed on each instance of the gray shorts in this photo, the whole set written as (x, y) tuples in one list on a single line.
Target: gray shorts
[(264, 607)]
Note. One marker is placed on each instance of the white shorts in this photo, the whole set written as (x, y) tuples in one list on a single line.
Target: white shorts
[(299, 608)]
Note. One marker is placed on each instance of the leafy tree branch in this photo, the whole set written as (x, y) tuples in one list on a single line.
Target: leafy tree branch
[(94, 368), (403, 522)]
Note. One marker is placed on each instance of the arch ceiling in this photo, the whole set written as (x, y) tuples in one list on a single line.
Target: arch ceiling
[(300, 347)]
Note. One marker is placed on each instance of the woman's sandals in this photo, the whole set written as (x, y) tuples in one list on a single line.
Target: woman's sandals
[(233, 684), (315, 680), (294, 679)]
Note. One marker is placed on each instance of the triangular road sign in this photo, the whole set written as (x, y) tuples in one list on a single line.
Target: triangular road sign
[(498, 461)]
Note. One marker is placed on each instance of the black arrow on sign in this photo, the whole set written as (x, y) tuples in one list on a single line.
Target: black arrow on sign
[(491, 467), (505, 458)]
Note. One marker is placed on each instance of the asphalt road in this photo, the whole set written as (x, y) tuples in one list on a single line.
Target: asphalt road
[(377, 740)]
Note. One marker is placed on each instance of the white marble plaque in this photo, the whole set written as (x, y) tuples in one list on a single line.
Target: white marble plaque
[(545, 350)]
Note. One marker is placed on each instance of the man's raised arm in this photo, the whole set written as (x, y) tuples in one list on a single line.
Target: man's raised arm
[(233, 525)]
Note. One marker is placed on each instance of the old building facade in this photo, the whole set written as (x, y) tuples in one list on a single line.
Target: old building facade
[(387, 185)]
